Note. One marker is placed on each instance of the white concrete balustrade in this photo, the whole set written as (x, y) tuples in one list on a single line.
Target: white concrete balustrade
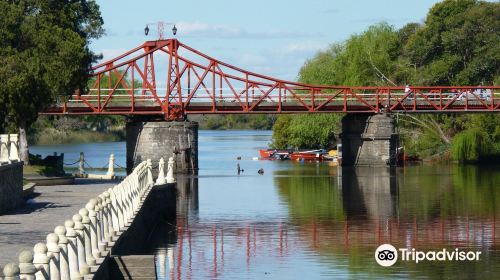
[(9, 148), (76, 249)]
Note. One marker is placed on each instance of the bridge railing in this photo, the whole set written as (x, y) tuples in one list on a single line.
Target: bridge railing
[(290, 99), (76, 249)]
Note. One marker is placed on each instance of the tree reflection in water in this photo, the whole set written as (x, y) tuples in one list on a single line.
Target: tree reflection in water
[(337, 217), (423, 207)]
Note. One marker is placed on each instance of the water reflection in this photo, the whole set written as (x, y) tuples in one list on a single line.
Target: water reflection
[(335, 218), (426, 207), (187, 196), (369, 192), (311, 221)]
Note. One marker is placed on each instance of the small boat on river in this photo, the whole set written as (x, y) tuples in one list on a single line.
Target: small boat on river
[(274, 154), (310, 155), (317, 155)]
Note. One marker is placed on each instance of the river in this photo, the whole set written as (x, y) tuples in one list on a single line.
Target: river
[(316, 221)]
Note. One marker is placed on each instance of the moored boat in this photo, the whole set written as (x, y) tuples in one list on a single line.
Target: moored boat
[(308, 155), (266, 153), (274, 154)]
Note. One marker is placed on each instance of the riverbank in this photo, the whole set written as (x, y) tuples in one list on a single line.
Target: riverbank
[(68, 130), (52, 136)]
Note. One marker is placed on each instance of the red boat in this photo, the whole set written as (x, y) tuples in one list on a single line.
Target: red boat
[(266, 153), (274, 154), (308, 155)]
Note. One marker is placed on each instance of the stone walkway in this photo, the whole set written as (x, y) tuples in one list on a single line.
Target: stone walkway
[(51, 206)]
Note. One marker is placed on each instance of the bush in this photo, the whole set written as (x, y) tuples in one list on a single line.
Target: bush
[(310, 131)]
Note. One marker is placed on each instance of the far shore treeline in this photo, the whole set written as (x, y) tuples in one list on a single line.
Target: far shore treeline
[(456, 44)]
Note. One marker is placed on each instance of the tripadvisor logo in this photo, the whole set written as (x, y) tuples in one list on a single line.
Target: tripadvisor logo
[(387, 255)]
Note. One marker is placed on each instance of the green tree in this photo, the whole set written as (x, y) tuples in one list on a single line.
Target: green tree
[(365, 59), (458, 44), (44, 56), (311, 131)]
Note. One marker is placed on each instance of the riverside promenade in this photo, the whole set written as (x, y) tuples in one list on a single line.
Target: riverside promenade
[(52, 205)]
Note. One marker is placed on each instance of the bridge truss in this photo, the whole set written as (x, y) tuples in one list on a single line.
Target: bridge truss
[(170, 79)]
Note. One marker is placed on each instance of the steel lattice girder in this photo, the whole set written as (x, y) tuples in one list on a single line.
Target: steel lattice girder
[(170, 79)]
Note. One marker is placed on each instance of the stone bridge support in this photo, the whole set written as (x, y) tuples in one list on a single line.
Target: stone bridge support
[(157, 139), (369, 140)]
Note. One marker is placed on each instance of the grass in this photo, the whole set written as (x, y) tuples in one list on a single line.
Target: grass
[(40, 170), (33, 169)]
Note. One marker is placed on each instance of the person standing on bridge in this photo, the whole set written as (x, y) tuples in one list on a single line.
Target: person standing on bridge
[(408, 91)]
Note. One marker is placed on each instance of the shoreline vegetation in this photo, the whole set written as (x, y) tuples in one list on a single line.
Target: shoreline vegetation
[(72, 130), (52, 136), (456, 44)]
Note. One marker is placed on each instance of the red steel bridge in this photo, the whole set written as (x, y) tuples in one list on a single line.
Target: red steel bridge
[(170, 79)]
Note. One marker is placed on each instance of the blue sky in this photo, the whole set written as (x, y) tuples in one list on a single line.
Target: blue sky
[(273, 37)]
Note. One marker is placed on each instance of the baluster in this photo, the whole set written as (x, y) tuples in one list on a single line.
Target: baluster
[(134, 196), (63, 254), (80, 245), (104, 218), (109, 213), (11, 272), (41, 262), (150, 175), (161, 172), (72, 250), (53, 252), (170, 172), (84, 213), (126, 201), (4, 149), (14, 148), (119, 205), (93, 230), (101, 243), (116, 208), (26, 268)]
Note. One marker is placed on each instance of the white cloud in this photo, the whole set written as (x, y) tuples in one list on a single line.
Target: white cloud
[(188, 28), (304, 47), (200, 29)]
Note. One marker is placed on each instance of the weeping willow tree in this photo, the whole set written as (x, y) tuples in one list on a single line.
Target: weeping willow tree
[(470, 145)]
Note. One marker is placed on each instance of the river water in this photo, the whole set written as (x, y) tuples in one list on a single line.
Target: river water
[(316, 221)]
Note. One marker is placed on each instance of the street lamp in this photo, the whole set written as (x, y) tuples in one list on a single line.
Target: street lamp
[(160, 25)]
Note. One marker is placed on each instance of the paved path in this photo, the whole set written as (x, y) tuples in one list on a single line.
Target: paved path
[(30, 224)]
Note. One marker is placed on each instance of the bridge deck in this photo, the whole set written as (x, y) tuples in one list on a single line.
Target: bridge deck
[(147, 105)]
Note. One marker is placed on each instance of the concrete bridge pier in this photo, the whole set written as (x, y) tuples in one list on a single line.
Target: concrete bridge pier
[(369, 140), (160, 139)]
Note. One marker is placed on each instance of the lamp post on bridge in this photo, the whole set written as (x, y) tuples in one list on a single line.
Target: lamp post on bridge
[(160, 25)]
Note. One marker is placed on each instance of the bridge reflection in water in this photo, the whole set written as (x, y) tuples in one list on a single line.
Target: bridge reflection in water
[(338, 220)]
